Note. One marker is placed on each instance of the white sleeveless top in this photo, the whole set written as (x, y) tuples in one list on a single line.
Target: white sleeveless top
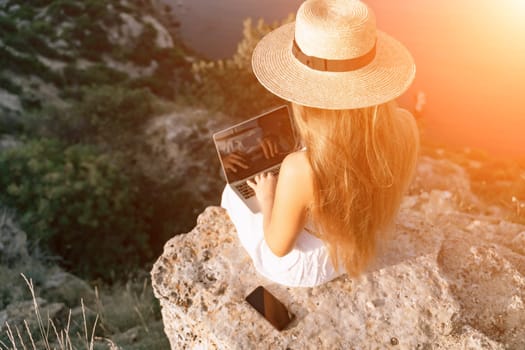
[(307, 265)]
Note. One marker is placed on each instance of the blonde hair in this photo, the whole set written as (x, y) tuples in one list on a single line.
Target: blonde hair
[(362, 162)]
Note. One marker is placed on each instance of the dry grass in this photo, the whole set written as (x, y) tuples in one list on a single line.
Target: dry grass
[(50, 337)]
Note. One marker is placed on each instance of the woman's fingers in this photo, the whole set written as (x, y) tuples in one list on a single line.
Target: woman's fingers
[(264, 186), (257, 179)]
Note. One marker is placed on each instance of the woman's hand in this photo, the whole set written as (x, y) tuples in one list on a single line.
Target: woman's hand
[(264, 186)]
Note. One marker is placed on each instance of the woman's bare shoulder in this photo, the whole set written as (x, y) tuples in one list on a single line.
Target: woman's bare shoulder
[(297, 163), (297, 172)]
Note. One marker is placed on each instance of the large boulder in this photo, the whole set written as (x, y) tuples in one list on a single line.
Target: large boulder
[(67, 288), (446, 279), (19, 313), (13, 241)]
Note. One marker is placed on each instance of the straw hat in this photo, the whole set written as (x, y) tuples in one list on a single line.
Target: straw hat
[(338, 59)]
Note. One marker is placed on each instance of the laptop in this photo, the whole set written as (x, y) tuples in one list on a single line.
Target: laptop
[(255, 146)]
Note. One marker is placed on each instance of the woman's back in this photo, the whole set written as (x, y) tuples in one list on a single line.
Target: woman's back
[(348, 181), (341, 76), (361, 163)]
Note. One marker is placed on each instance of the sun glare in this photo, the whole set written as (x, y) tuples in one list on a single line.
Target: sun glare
[(516, 5), (514, 13)]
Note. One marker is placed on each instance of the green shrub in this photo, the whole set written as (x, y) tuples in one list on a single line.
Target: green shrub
[(41, 3), (172, 62), (97, 74), (79, 203), (7, 26), (29, 41), (24, 11), (60, 10), (230, 85), (144, 45), (98, 9), (27, 65), (42, 27), (10, 86), (10, 122), (108, 114)]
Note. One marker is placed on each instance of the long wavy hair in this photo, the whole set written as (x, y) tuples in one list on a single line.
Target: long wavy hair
[(363, 161)]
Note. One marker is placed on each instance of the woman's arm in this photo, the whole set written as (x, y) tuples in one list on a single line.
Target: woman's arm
[(284, 202)]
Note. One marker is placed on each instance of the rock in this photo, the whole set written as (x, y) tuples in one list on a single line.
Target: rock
[(9, 101), (441, 174), (163, 39), (489, 288), (149, 336), (80, 314), (469, 338), (446, 279), (16, 313), (13, 241), (3, 318), (518, 243), (67, 288), (8, 141), (181, 146)]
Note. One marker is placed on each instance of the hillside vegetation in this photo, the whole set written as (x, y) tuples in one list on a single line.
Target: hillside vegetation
[(79, 81), (105, 150), (105, 153)]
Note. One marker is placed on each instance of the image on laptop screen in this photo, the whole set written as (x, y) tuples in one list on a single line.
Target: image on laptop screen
[(255, 145)]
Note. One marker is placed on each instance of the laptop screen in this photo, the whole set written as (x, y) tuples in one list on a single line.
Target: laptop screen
[(256, 144)]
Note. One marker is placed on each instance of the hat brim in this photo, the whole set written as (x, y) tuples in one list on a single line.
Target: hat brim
[(385, 78)]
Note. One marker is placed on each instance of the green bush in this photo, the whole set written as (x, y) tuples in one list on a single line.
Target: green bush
[(24, 11), (235, 92), (27, 65), (7, 26), (61, 10), (230, 85), (30, 102), (108, 114), (41, 3), (145, 44), (42, 27), (30, 41), (79, 203), (97, 74), (172, 62), (10, 122), (10, 86)]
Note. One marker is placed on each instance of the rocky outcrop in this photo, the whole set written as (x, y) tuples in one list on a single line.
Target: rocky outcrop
[(58, 294), (68, 288), (44, 307), (13, 241), (447, 279), (66, 43)]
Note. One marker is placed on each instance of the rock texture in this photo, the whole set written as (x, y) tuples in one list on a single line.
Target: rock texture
[(447, 279)]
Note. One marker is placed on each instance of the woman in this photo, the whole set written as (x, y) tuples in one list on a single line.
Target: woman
[(336, 198)]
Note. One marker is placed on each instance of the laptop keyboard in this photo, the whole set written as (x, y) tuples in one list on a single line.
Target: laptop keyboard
[(246, 191)]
